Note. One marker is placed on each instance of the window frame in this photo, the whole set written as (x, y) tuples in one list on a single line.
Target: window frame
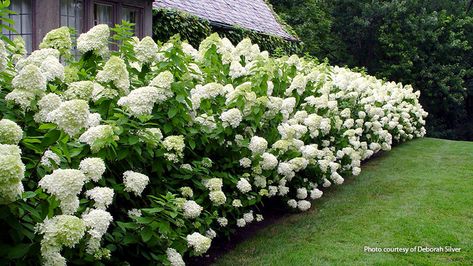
[(117, 13), (139, 20), (33, 33)]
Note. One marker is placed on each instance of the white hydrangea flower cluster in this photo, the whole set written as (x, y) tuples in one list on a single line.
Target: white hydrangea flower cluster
[(208, 91), (96, 40), (37, 58), (269, 161), (174, 258), (12, 171), (175, 146), (71, 116), (93, 168), (216, 195), (10, 132), (232, 117), (115, 71), (243, 185), (163, 82), (59, 39), (28, 84), (187, 192), (140, 101), (102, 197), (135, 182), (258, 145), (134, 213), (199, 243), (65, 185), (50, 159), (58, 232), (151, 136), (81, 90), (98, 137), (97, 222), (146, 50), (191, 209), (46, 105)]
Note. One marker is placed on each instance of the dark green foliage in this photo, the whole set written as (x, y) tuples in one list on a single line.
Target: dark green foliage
[(425, 43), (168, 22), (312, 22)]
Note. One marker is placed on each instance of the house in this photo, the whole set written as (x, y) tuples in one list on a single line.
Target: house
[(35, 18), (253, 15)]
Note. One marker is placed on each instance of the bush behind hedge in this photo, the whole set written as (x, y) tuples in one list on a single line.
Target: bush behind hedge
[(146, 153)]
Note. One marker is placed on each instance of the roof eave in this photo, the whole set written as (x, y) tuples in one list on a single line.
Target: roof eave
[(229, 26)]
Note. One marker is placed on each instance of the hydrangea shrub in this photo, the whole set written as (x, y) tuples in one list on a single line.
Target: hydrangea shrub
[(148, 152)]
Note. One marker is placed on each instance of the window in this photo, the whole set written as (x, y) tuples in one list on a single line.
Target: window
[(111, 13), (23, 18), (72, 14), (133, 15), (103, 14)]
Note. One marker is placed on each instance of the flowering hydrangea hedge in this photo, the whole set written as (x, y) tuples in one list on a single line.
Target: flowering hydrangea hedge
[(147, 152)]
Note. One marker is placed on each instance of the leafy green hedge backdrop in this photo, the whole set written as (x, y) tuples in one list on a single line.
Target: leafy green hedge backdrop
[(168, 22), (426, 43)]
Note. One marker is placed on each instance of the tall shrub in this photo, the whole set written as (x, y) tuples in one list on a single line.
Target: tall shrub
[(145, 153)]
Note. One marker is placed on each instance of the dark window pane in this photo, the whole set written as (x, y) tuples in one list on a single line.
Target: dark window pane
[(26, 24), (103, 14), (23, 22), (71, 14), (133, 15)]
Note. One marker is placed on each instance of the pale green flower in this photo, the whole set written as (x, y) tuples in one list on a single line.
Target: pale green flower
[(71, 116), (96, 40), (79, 90), (115, 71), (59, 39), (12, 171), (146, 50), (10, 132)]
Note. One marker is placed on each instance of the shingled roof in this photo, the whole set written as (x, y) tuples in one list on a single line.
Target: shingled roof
[(250, 14)]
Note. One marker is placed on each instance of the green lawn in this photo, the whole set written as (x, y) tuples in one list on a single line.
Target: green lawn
[(418, 194)]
